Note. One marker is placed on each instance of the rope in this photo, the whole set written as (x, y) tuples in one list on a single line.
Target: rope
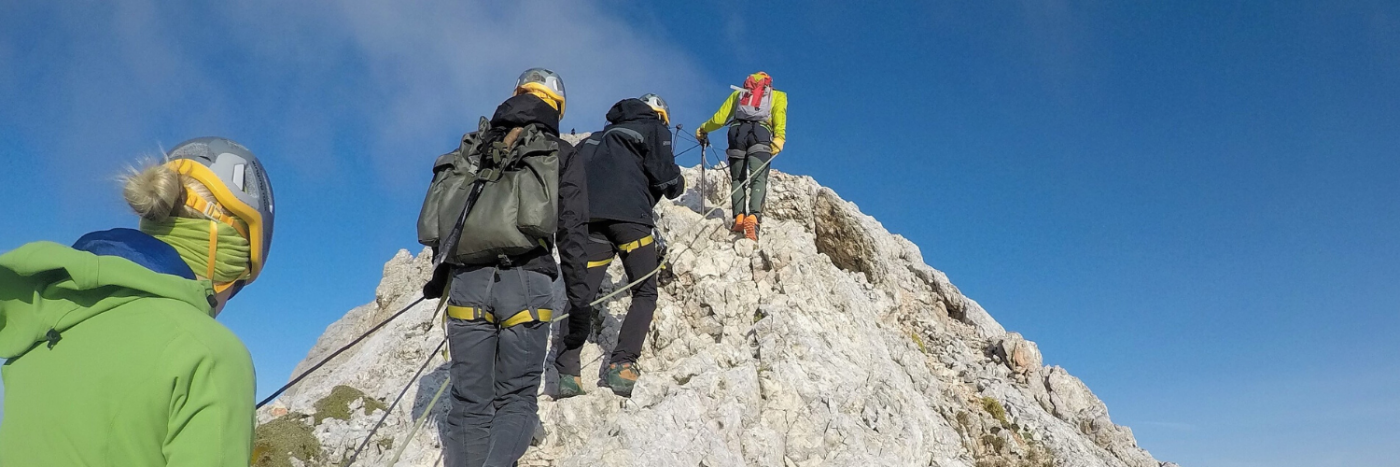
[(419, 423), (710, 147), (405, 309), (390, 410), (653, 272), (605, 298), (339, 351), (692, 148)]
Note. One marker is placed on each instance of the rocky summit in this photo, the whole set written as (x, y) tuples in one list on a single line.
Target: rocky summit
[(829, 342)]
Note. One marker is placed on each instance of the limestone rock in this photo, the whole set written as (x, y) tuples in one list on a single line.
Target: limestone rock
[(827, 342), (1017, 353)]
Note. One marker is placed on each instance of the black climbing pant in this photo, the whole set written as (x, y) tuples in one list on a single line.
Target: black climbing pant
[(635, 244), (749, 152), (497, 361)]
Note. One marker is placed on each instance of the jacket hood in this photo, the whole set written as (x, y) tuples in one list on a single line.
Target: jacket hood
[(631, 109), (139, 247), (525, 109), (47, 288)]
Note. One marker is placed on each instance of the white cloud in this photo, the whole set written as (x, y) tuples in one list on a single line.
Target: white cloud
[(103, 80), (442, 64)]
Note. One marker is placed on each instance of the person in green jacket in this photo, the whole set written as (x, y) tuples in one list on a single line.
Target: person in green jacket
[(114, 356)]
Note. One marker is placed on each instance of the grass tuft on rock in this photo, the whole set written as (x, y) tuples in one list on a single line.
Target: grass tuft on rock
[(337, 404), (993, 407), (277, 442)]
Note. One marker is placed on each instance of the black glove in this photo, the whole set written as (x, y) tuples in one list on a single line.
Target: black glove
[(434, 287), (578, 326), (676, 189), (665, 276)]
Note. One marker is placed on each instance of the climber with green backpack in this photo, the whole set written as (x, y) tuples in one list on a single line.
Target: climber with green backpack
[(497, 207)]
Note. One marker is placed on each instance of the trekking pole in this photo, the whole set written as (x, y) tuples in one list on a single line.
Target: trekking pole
[(703, 163), (702, 176)]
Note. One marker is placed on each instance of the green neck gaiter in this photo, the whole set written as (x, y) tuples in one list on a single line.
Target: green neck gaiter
[(190, 237)]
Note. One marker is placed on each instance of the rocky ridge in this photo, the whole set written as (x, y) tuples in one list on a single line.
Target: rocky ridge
[(827, 343)]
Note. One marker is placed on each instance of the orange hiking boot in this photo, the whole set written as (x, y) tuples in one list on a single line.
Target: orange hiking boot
[(751, 228), (738, 223)]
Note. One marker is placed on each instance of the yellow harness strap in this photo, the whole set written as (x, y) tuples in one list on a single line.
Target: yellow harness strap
[(213, 248), (625, 248), (628, 247), (198, 203), (467, 313), (546, 315)]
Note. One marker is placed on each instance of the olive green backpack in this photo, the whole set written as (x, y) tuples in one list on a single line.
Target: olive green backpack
[(494, 197)]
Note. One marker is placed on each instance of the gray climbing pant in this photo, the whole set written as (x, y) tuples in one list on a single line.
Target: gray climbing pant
[(496, 365), (749, 153)]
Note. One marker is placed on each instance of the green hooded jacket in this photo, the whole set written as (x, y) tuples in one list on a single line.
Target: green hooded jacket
[(112, 364)]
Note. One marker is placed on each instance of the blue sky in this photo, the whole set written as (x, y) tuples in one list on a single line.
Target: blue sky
[(1189, 205)]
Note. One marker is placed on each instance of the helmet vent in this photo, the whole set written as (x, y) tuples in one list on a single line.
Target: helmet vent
[(240, 177)]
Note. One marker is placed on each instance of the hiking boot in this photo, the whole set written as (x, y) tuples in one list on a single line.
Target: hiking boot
[(738, 223), (569, 386), (751, 228), (621, 377)]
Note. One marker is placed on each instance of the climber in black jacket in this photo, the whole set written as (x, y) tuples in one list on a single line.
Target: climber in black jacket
[(629, 167)]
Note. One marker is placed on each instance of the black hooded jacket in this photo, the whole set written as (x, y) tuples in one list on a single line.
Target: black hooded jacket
[(630, 165), (525, 109)]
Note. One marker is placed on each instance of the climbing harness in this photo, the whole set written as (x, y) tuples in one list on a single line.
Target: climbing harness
[(467, 313)]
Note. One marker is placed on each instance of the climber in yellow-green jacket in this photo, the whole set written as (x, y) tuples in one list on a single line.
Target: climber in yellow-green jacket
[(757, 118)]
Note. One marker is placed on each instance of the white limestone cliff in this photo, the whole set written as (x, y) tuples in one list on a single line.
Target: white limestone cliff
[(827, 343)]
